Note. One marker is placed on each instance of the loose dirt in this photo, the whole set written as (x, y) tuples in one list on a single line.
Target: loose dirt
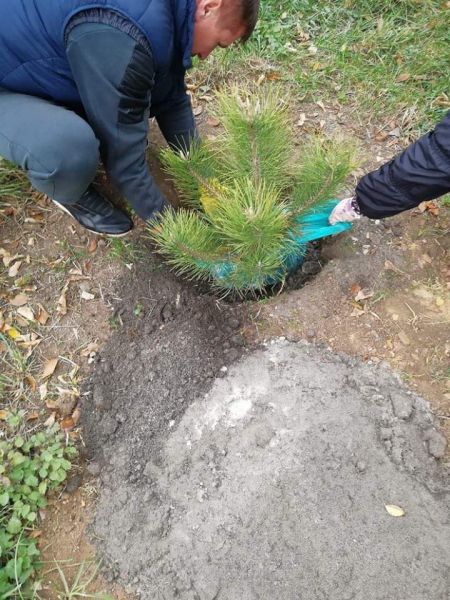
[(275, 484), (208, 488)]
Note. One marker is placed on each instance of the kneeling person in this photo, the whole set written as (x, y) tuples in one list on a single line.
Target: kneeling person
[(79, 81)]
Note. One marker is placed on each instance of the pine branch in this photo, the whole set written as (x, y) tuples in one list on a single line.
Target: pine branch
[(257, 140), (189, 243), (323, 168), (191, 171)]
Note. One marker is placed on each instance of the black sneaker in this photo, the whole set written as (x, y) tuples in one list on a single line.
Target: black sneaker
[(97, 214)]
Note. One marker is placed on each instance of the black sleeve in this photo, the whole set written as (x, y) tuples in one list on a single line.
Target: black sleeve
[(421, 172), (176, 120), (114, 77)]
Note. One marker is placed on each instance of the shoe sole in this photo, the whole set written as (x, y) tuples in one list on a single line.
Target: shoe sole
[(114, 235)]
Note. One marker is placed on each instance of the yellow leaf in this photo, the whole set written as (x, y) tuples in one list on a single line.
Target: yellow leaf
[(394, 510), (13, 333), (208, 196), (49, 368), (4, 414)]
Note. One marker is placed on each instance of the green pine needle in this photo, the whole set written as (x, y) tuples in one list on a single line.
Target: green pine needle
[(322, 169), (190, 170), (251, 220), (188, 241), (257, 141), (243, 194)]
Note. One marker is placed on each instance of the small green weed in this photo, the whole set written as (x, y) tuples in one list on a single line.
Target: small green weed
[(138, 310), (84, 576), (445, 201), (29, 467), (115, 322), (124, 250)]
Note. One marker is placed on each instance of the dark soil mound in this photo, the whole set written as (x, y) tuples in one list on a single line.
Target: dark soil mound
[(170, 342)]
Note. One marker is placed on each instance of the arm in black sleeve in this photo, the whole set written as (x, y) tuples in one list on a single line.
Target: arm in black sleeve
[(114, 76), (176, 120), (421, 172)]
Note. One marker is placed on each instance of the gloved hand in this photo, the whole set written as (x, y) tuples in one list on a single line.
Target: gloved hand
[(346, 211)]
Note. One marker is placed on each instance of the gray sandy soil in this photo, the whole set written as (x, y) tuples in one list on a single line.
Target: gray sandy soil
[(273, 484)]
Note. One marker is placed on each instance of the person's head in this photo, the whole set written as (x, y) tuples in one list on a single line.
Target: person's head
[(222, 22)]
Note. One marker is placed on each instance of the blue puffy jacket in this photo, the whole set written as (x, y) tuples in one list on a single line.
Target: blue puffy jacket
[(33, 58)]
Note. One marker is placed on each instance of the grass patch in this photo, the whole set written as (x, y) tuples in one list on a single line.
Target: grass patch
[(78, 586), (387, 57), (13, 181), (125, 251)]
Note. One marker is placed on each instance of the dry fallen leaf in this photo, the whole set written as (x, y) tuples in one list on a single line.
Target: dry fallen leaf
[(33, 415), (26, 312), (364, 294), (19, 300), (382, 136), (14, 269), (404, 338), (31, 382), (355, 288), (62, 301), (394, 510), (356, 312), (87, 295), (403, 77), (34, 534), (91, 348), (42, 316), (49, 368), (301, 120), (389, 266), (198, 110), (68, 423), (4, 414), (8, 258), (429, 206), (213, 122), (92, 246), (273, 76), (51, 420)]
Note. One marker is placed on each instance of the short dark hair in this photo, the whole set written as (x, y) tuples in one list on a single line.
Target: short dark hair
[(249, 17), (242, 12)]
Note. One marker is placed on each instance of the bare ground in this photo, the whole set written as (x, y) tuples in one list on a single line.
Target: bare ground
[(400, 316)]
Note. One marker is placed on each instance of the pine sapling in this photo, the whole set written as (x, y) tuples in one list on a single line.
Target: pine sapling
[(250, 214)]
